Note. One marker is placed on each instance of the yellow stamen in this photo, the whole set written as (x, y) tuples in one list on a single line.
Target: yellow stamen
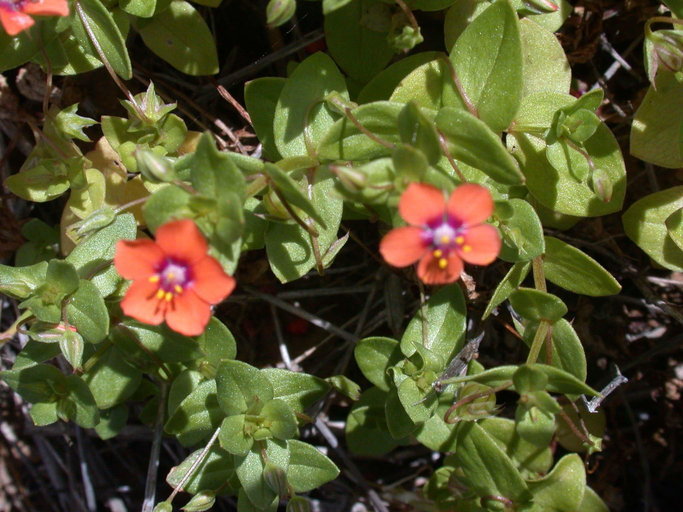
[(459, 240), (160, 293), (443, 263), (445, 239), (466, 248), (438, 253), (168, 297), (154, 279), (178, 289), (170, 276)]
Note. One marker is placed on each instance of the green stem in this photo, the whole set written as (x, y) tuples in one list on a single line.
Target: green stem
[(539, 275), (194, 466), (537, 343)]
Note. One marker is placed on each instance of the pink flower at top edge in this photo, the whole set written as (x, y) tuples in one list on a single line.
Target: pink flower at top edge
[(442, 233), (15, 15)]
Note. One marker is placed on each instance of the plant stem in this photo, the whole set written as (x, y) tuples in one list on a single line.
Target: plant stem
[(537, 343)]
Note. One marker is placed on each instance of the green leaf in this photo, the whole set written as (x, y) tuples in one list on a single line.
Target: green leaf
[(217, 342), (429, 86), (563, 488), (40, 183), (545, 65), (39, 383), (344, 141), (288, 246), (308, 468), (353, 38), (439, 325), (573, 270), (43, 413), (568, 353), (279, 419), (674, 227), (488, 61), (561, 191), (168, 203), (213, 472), (141, 8), (366, 426), (345, 386), (87, 312), (301, 115), (510, 282), (292, 192), (458, 17), (260, 97), (644, 223), (521, 232), (560, 381), (537, 305), (112, 422), (239, 386), (94, 251), (111, 379), (71, 344), (526, 456), (298, 390), (20, 282), (167, 345), (212, 172), (398, 423), (101, 24), (79, 406), (537, 111), (383, 83), (656, 129), (233, 437), (197, 416), (472, 141), (418, 401), (183, 384), (418, 131), (591, 501), (250, 468), (374, 356), (487, 469), (180, 36)]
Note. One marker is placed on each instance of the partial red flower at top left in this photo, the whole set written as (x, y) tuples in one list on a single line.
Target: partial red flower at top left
[(174, 278), (15, 15)]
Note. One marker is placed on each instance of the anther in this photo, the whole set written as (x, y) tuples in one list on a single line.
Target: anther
[(160, 293), (443, 263), (459, 240), (445, 239), (170, 276), (178, 289), (168, 297), (467, 248), (154, 279), (438, 253)]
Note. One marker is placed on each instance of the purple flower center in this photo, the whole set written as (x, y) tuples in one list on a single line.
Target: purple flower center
[(443, 236), (173, 277), (12, 5)]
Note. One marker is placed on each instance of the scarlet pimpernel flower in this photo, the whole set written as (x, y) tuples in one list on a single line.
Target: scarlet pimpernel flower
[(174, 279), (15, 15), (443, 232)]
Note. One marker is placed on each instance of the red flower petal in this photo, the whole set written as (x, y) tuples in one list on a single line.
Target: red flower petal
[(182, 240), (137, 259), (142, 304), (47, 8), (188, 314), (429, 271), (483, 243), (470, 204), (421, 204), (14, 21), (402, 246), (211, 283)]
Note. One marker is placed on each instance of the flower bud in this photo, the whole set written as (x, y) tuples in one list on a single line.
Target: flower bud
[(602, 185), (338, 103), (276, 479), (403, 37), (668, 47), (153, 167), (279, 12), (164, 506), (538, 7), (298, 504), (201, 501)]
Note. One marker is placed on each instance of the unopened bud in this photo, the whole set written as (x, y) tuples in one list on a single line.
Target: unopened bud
[(201, 501), (352, 180), (602, 185), (164, 506), (153, 167), (276, 479), (403, 37), (279, 12), (298, 504), (71, 345), (538, 7), (98, 219), (338, 103), (668, 47)]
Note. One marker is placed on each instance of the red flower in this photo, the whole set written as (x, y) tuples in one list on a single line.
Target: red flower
[(174, 279), (442, 233), (15, 14)]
